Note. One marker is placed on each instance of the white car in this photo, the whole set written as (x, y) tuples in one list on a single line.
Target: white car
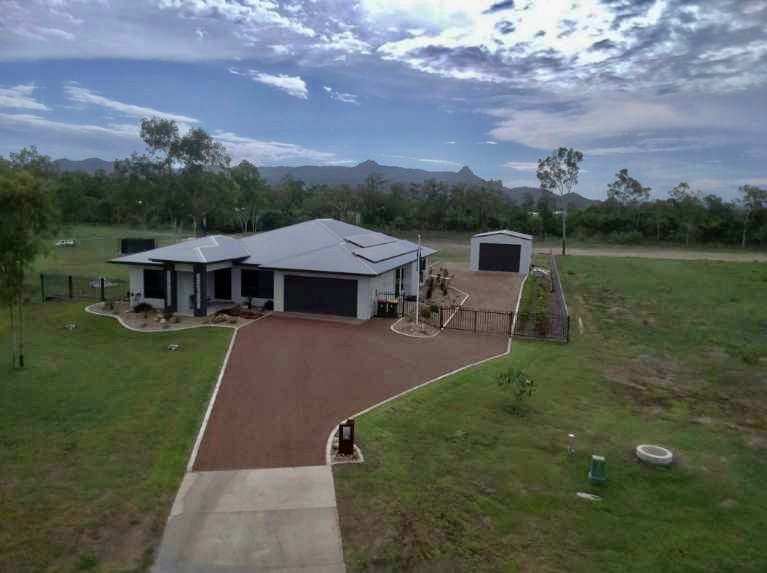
[(65, 243)]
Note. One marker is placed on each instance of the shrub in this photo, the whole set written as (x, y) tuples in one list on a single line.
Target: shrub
[(625, 238), (443, 286), (269, 305), (426, 312), (143, 307), (434, 307), (521, 386)]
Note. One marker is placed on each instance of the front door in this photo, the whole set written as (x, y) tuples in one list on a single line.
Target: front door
[(222, 284), (185, 286)]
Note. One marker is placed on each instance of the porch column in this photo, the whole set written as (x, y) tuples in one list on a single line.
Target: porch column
[(200, 289), (171, 287)]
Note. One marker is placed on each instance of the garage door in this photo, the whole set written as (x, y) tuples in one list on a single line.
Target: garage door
[(321, 295), (498, 257)]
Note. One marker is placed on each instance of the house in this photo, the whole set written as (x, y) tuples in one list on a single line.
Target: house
[(502, 250), (320, 266)]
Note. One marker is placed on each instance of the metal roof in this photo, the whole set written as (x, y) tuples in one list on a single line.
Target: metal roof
[(319, 245), (210, 249), (505, 232)]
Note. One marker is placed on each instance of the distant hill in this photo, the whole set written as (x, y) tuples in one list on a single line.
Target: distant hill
[(90, 165), (574, 201), (357, 175), (352, 176)]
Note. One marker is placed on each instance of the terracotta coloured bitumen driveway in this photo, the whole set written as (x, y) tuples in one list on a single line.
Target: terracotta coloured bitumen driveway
[(290, 380)]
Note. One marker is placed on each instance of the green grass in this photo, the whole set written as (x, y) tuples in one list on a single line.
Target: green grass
[(671, 352), (94, 437), (96, 244)]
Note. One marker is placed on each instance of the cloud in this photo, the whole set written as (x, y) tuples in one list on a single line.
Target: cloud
[(250, 15), (341, 96), (531, 166), (21, 97), (291, 85), (345, 42), (439, 162), (36, 122), (488, 142), (450, 142), (272, 152), (601, 120), (500, 6), (85, 96)]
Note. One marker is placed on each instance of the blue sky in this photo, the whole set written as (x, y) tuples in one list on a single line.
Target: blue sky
[(672, 90)]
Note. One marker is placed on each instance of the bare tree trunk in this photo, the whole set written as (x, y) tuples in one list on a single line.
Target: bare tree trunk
[(743, 238), (21, 329), (13, 334), (564, 232)]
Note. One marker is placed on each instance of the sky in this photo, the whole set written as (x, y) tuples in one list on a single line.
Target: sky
[(673, 90)]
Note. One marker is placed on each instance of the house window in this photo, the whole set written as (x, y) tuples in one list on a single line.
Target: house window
[(257, 284), (153, 284)]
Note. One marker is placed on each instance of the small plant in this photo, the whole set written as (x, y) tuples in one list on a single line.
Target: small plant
[(434, 307), (269, 305), (521, 386), (443, 286), (142, 307), (426, 313)]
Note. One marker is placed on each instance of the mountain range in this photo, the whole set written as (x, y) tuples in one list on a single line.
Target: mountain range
[(358, 174)]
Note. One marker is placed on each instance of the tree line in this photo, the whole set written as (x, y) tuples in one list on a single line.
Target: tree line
[(186, 181)]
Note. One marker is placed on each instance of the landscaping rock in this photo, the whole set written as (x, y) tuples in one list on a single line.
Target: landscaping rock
[(588, 496)]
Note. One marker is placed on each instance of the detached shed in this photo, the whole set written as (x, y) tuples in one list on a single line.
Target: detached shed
[(501, 251)]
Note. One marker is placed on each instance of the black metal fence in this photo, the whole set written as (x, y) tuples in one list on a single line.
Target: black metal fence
[(63, 287), (552, 325), (477, 321)]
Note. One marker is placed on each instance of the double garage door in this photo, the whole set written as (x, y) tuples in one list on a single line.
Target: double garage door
[(321, 295), (499, 257)]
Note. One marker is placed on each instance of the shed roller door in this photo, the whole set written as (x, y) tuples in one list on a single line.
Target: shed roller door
[(321, 295), (499, 257)]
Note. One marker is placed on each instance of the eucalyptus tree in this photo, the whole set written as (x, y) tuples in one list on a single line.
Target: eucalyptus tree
[(558, 173), (752, 200), (27, 222)]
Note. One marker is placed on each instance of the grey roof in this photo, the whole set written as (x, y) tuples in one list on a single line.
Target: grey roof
[(505, 232), (210, 249), (331, 246), (320, 245)]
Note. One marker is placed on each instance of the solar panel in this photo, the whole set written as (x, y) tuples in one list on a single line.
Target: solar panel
[(379, 253), (365, 240)]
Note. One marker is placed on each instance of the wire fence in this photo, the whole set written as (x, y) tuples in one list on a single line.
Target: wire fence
[(71, 287)]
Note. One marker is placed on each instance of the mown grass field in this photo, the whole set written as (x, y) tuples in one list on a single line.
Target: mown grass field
[(95, 434), (671, 352)]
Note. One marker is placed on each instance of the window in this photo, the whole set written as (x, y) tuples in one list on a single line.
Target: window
[(257, 284), (153, 284)]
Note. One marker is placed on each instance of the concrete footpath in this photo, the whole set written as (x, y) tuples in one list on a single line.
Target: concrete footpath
[(275, 520)]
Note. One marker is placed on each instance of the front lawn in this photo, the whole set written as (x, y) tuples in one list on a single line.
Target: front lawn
[(94, 437), (671, 352)]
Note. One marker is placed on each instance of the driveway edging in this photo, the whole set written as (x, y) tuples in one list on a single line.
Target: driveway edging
[(211, 403), (329, 444)]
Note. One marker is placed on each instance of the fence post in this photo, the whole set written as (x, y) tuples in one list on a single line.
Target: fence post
[(42, 287), (441, 320), (101, 281), (511, 322), (475, 321), (69, 284), (567, 335)]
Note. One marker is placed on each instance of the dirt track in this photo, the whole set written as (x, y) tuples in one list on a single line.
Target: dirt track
[(662, 253)]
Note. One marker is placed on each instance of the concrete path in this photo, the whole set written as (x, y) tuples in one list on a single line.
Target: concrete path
[(276, 520)]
